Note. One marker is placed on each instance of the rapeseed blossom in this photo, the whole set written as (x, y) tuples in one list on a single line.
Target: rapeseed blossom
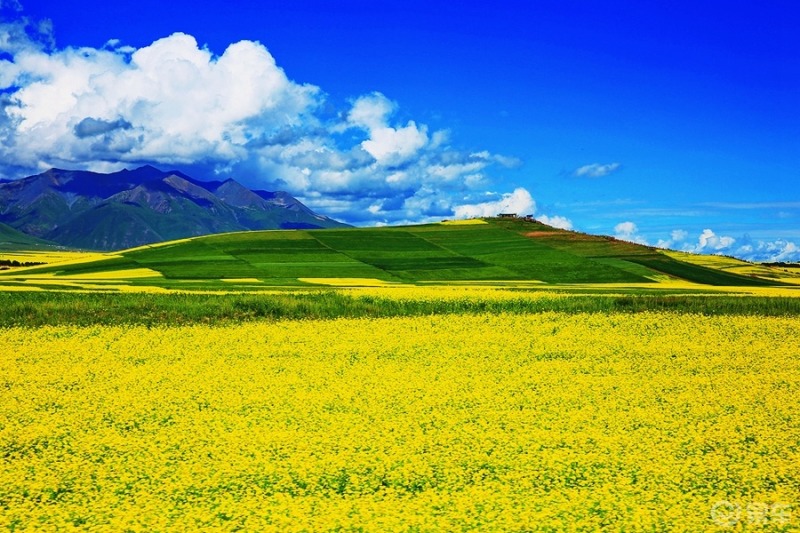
[(505, 422)]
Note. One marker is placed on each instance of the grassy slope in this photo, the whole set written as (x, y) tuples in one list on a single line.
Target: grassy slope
[(737, 266), (31, 309), (12, 239), (631, 257), (497, 251)]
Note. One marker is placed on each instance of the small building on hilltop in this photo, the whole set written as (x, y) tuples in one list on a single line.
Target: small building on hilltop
[(507, 215)]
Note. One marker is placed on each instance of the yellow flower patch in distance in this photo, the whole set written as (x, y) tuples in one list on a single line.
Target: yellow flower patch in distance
[(738, 266), (51, 257), (465, 222), (346, 282), (132, 273), (455, 292)]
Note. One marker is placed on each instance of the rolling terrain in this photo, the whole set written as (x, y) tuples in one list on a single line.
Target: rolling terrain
[(477, 251), (12, 239)]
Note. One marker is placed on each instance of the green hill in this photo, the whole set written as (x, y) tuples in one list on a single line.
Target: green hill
[(11, 239), (490, 250)]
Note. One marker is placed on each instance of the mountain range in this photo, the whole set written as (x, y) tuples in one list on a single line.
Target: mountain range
[(91, 210)]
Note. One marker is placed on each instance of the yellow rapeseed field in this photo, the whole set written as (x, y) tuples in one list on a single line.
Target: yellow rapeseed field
[(545, 422), (65, 257), (737, 266), (464, 222)]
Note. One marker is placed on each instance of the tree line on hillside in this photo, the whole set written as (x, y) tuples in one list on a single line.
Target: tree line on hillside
[(13, 263)]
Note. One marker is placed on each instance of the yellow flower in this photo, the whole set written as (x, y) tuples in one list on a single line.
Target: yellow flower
[(554, 421)]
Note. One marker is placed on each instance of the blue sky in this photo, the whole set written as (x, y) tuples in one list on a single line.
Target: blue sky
[(675, 124)]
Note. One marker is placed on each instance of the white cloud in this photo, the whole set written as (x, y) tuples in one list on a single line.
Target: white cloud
[(174, 103), (596, 170), (556, 221), (711, 242), (777, 251), (628, 231), (177, 101), (506, 161), (371, 111), (519, 202), (393, 146), (676, 236), (625, 229), (679, 235), (456, 170), (388, 145)]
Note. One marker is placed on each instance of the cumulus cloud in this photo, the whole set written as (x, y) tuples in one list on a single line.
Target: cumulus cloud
[(519, 202), (556, 221), (170, 102), (679, 235), (709, 242), (775, 251), (388, 145), (779, 250), (628, 231), (503, 160), (175, 103), (596, 170), (675, 237), (625, 229)]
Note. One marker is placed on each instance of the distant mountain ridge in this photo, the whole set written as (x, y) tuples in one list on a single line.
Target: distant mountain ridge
[(129, 208)]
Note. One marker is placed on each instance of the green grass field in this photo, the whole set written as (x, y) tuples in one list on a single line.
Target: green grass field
[(34, 309), (223, 278), (498, 251), (11, 239)]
